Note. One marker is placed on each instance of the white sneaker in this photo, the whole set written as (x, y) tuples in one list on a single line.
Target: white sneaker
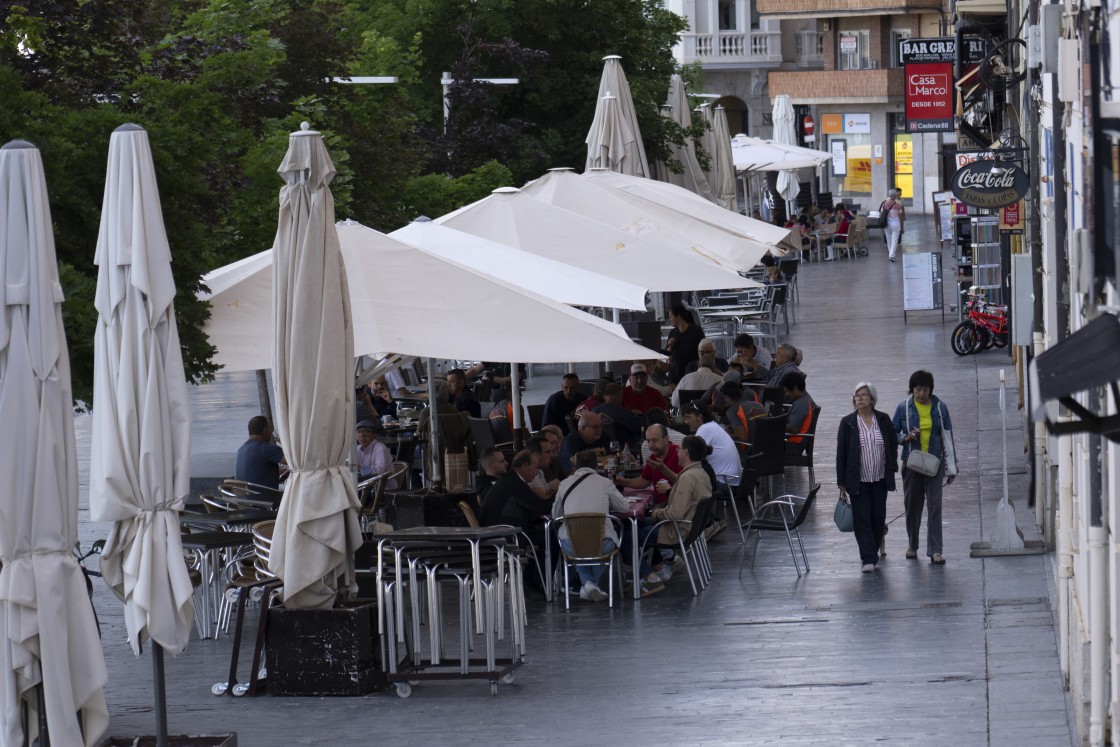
[(592, 593), (665, 573)]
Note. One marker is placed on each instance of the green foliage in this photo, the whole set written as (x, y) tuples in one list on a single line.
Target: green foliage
[(433, 195)]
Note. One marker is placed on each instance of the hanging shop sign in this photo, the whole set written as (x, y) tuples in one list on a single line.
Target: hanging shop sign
[(940, 49), (989, 184), (929, 97)]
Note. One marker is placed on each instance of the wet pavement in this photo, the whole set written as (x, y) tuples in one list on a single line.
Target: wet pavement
[(914, 654)]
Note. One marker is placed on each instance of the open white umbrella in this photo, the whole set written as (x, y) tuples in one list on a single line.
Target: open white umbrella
[(785, 133), (647, 192), (48, 634), (756, 154), (141, 442), (539, 275), (410, 302), (316, 531), (691, 176), (511, 217), (615, 141), (645, 219)]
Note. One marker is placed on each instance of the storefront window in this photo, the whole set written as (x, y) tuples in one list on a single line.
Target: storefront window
[(856, 179)]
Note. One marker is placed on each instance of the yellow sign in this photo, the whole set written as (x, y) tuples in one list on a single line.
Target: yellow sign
[(904, 165), (859, 170)]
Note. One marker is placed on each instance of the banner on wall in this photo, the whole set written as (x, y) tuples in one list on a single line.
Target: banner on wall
[(929, 97)]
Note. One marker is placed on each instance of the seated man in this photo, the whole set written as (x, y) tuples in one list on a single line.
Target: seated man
[(663, 463), (800, 411), (724, 456), (754, 359), (258, 459), (511, 501), (586, 492), (785, 361), (691, 487), (373, 456), (543, 485), (454, 430), (563, 403), (553, 469), (460, 396), (588, 435), (594, 400), (627, 425), (703, 377), (707, 347), (639, 396), (713, 398), (494, 465), (738, 412)]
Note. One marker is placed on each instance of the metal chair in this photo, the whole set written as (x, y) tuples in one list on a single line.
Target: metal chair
[(690, 544), (782, 514), (585, 533)]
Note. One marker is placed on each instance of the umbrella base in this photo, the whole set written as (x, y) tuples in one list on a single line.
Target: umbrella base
[(324, 652), (177, 740)]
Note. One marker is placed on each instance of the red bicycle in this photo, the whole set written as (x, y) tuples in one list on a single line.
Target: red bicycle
[(983, 328)]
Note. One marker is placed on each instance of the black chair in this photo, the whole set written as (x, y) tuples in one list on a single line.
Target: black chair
[(503, 432), (789, 267), (536, 417), (782, 514), (767, 455), (774, 397), (808, 439)]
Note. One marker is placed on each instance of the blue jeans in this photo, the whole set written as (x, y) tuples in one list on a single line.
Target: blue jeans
[(590, 573)]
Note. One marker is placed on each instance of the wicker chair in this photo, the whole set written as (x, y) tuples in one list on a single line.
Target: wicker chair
[(585, 533)]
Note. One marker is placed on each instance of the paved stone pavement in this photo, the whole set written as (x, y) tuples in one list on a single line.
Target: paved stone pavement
[(914, 654)]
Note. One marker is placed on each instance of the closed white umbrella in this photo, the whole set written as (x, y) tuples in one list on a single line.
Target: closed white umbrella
[(615, 140), (785, 133), (511, 217), (722, 174), (669, 197), (407, 301), (644, 219), (691, 176), (48, 634), (539, 275), (756, 154), (316, 531)]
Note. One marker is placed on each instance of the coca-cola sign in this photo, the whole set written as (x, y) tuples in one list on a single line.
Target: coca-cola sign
[(989, 184)]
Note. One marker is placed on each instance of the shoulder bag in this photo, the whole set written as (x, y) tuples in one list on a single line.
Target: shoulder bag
[(884, 211), (842, 515), (919, 461)]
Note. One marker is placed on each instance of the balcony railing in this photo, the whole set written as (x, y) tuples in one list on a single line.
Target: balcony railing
[(733, 46), (810, 49)]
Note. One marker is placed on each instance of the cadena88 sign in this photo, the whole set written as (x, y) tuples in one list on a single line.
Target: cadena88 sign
[(929, 97)]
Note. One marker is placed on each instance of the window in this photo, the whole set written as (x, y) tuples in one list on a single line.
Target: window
[(853, 49), (896, 37), (727, 15)]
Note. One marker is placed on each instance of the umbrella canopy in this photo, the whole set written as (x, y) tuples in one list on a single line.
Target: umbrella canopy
[(407, 301), (644, 219), (316, 531), (648, 192), (721, 176), (141, 443), (756, 154), (539, 275), (49, 634), (512, 217), (691, 177), (785, 133), (615, 141)]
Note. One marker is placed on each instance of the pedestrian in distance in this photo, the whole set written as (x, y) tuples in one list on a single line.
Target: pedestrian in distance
[(921, 422), (866, 462), (896, 221)]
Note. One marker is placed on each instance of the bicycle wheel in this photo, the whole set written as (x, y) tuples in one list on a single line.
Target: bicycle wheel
[(999, 339), (963, 339), (983, 339)]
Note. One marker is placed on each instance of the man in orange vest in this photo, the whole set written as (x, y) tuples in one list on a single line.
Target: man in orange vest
[(800, 411), (739, 413)]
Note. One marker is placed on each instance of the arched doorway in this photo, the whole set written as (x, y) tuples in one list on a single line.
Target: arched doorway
[(736, 112)]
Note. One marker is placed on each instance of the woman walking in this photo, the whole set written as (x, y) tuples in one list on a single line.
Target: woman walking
[(866, 460), (922, 422), (896, 220)]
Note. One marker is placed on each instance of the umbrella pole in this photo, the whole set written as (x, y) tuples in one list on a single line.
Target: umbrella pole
[(160, 693), (263, 394), (433, 426), (515, 400), (44, 732)]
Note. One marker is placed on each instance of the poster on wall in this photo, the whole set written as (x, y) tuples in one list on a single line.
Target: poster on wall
[(839, 157), (858, 123), (904, 165)]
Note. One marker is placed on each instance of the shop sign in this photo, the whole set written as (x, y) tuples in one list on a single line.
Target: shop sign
[(1011, 217), (929, 97), (967, 157), (989, 184), (832, 124), (940, 49), (858, 124)]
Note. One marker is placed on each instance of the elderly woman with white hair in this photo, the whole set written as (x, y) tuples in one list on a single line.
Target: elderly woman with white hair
[(866, 462), (896, 221)]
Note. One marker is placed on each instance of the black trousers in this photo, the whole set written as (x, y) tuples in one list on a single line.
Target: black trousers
[(869, 514)]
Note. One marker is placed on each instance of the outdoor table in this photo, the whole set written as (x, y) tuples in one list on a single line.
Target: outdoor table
[(210, 545), (226, 519), (819, 235)]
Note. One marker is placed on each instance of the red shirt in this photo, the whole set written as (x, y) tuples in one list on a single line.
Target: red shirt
[(672, 461), (644, 400)]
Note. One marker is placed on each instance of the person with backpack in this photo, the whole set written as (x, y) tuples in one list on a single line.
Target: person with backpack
[(892, 219)]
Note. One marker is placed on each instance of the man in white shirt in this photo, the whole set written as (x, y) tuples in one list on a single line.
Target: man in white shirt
[(587, 492), (701, 379), (724, 458)]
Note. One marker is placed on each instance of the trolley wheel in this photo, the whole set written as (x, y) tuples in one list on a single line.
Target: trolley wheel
[(508, 679), (240, 690), (219, 688), (262, 674), (403, 690), (963, 339), (493, 687)]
